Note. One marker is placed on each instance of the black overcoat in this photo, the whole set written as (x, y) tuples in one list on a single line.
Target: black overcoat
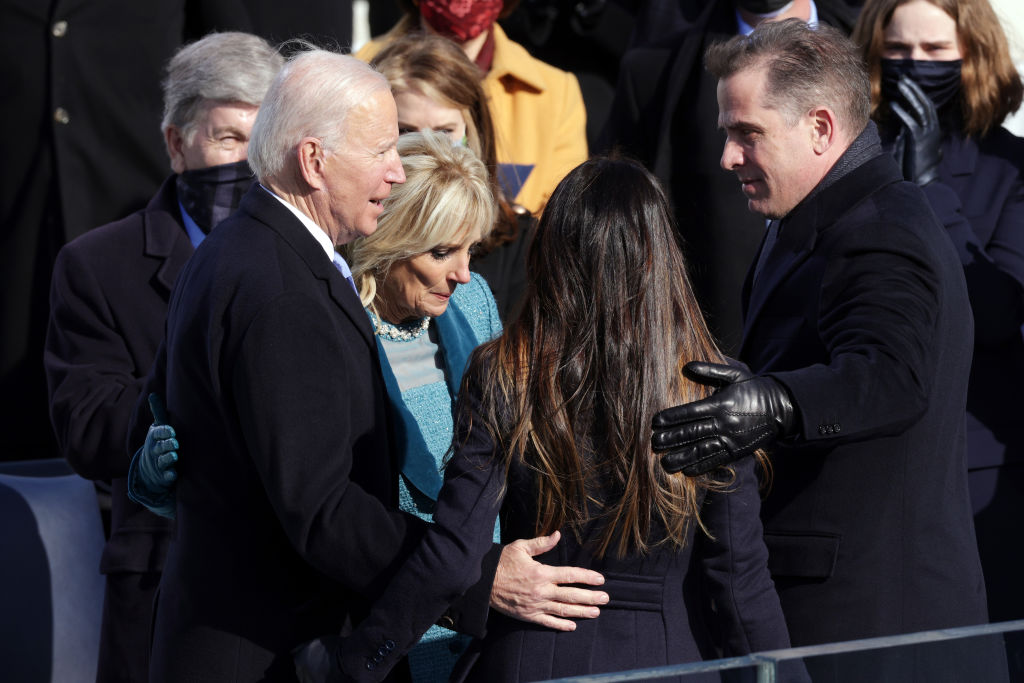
[(286, 517), (861, 311)]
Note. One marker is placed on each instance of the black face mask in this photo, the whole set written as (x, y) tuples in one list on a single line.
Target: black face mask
[(762, 6), (939, 80), (210, 195)]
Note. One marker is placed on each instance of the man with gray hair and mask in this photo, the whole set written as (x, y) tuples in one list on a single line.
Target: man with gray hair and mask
[(286, 507), (665, 114), (108, 299)]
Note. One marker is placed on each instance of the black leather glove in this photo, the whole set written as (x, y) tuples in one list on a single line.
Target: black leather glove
[(918, 147), (747, 412)]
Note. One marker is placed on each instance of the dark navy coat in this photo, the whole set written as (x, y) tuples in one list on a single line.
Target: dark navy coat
[(285, 505), (979, 197), (861, 311), (659, 610)]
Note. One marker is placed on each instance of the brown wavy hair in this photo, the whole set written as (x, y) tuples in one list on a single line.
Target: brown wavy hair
[(609, 320), (437, 68), (991, 88)]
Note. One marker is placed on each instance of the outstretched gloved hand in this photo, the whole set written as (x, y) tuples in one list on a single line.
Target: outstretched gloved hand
[(746, 413), (152, 471), (919, 143)]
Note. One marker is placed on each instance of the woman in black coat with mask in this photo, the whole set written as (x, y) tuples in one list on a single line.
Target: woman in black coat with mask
[(942, 83)]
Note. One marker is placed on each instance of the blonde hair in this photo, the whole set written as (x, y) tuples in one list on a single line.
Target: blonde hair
[(445, 195)]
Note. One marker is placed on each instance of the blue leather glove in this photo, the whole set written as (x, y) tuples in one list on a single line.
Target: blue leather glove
[(746, 412), (152, 471)]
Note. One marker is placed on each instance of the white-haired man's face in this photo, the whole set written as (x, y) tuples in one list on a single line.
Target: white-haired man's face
[(359, 174)]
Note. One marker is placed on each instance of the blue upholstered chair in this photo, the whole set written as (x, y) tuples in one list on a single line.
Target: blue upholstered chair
[(51, 591)]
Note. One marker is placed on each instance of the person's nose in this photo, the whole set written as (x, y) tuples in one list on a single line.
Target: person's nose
[(395, 173), (461, 271), (732, 155)]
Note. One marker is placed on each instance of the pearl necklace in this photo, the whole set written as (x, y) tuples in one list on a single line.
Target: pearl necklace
[(401, 331)]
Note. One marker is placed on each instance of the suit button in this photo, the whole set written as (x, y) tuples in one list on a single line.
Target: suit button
[(389, 645), (381, 652), (370, 665), (60, 115), (836, 427), (59, 29), (821, 429), (446, 621)]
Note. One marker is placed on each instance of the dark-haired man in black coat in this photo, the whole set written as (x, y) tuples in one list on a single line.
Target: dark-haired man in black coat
[(664, 113), (859, 330)]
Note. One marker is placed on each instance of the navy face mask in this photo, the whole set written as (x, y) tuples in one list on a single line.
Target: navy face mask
[(210, 195), (939, 80)]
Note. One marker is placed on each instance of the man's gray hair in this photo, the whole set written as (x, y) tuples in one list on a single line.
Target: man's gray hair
[(806, 68), (311, 97), (220, 67)]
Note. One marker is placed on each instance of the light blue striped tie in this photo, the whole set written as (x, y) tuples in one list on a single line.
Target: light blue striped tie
[(343, 268)]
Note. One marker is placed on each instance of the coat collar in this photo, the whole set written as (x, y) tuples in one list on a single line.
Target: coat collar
[(511, 60), (164, 235), (260, 206), (457, 341), (801, 228)]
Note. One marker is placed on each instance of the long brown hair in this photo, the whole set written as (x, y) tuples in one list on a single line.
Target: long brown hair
[(437, 68), (991, 88), (609, 320)]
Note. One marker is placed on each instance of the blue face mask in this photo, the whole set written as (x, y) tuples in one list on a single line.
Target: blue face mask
[(939, 80)]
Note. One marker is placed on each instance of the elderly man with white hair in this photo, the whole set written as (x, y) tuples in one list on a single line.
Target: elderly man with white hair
[(287, 526)]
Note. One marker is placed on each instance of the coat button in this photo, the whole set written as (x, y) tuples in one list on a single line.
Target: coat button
[(836, 427), (446, 622), (821, 429), (389, 645), (381, 652), (60, 115), (370, 665), (59, 29)]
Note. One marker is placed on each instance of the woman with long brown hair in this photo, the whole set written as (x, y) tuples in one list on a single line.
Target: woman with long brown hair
[(553, 432)]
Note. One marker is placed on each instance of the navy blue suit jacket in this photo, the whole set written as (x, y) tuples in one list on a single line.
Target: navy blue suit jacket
[(286, 517), (979, 197), (861, 311)]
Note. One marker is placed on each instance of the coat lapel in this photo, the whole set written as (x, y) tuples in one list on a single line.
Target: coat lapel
[(262, 207), (800, 230), (164, 236)]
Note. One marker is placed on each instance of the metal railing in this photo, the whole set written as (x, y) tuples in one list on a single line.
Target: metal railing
[(766, 664)]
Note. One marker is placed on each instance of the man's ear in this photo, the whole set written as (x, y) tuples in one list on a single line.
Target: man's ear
[(175, 143), (823, 129), (311, 158)]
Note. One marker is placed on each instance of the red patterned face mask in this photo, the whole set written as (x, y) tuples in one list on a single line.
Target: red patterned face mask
[(460, 20)]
